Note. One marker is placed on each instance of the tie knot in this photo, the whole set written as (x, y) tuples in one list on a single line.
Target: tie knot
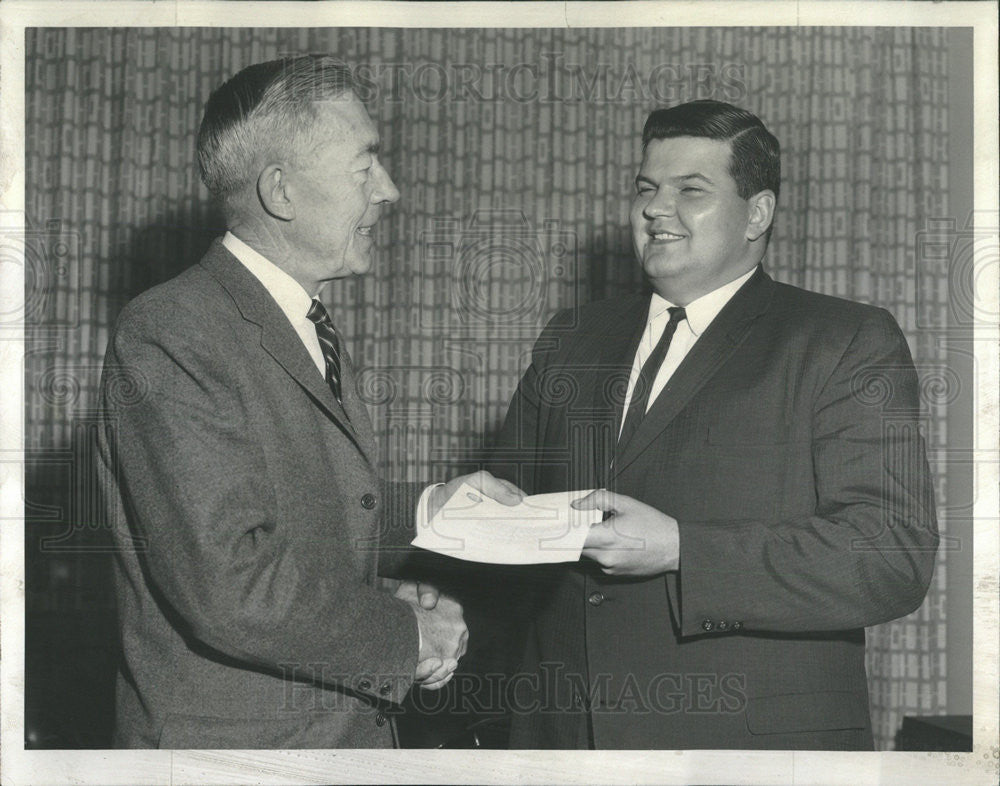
[(318, 314), (677, 314)]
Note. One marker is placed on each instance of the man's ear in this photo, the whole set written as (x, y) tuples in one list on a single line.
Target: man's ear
[(272, 190), (761, 214)]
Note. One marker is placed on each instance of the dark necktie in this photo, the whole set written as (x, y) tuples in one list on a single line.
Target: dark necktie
[(329, 342), (644, 384)]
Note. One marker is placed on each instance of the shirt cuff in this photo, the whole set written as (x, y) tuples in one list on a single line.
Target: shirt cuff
[(421, 520), (420, 636)]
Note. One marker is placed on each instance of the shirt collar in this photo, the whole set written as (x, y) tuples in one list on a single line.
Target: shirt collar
[(702, 311), (286, 291)]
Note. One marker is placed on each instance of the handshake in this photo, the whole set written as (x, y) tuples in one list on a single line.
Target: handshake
[(443, 634)]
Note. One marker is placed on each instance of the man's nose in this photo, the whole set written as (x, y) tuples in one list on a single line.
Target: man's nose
[(385, 189), (663, 203)]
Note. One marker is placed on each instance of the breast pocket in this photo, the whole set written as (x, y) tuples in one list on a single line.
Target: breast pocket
[(749, 436), (741, 419)]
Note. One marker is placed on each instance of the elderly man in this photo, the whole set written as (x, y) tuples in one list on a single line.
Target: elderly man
[(249, 517), (763, 478)]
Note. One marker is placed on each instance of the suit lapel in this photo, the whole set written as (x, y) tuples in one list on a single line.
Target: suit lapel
[(709, 352), (354, 407), (609, 356), (279, 339), (624, 348)]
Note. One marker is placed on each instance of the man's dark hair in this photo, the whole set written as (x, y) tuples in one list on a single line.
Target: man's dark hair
[(266, 108), (755, 157)]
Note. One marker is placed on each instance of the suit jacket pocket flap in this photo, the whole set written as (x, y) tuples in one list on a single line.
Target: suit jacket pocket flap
[(198, 731), (791, 712)]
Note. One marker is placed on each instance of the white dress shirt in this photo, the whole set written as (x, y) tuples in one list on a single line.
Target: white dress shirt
[(700, 314), (286, 291)]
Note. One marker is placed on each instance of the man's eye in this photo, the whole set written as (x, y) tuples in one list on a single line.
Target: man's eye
[(691, 190), (644, 189)]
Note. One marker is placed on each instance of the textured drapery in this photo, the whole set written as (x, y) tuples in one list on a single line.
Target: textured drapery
[(514, 151)]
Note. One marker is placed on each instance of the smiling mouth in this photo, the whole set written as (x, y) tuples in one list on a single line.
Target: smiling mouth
[(665, 236), (366, 231)]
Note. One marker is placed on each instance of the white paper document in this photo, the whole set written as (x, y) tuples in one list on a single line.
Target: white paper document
[(541, 528)]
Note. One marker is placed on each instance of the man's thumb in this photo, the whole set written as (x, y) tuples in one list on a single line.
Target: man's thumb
[(601, 499)]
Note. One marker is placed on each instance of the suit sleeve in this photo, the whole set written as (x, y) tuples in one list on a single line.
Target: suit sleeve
[(866, 555), (240, 581)]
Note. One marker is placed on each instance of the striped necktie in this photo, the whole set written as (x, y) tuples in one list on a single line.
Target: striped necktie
[(329, 343), (644, 384)]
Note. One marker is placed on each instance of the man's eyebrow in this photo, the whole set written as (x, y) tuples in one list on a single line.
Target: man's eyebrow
[(371, 149), (676, 178), (695, 176)]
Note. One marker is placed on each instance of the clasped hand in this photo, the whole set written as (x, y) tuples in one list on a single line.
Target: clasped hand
[(443, 634), (636, 540)]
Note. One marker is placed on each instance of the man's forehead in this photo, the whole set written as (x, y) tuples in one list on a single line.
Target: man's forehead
[(681, 150), (687, 146), (346, 121)]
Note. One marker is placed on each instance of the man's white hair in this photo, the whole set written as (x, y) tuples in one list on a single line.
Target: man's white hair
[(266, 110)]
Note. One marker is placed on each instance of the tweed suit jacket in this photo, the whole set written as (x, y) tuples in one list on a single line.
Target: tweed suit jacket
[(248, 518), (787, 447)]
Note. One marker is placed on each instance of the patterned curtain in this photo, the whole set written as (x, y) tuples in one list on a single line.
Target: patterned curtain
[(514, 151)]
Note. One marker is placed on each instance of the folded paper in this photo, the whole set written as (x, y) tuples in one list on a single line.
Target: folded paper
[(541, 528)]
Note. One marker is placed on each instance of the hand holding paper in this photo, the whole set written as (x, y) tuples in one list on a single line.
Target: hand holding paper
[(502, 491), (637, 540)]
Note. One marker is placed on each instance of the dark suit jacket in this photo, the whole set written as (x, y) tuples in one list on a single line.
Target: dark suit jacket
[(786, 446), (247, 513)]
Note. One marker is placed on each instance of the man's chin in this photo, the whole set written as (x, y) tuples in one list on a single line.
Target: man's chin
[(659, 263)]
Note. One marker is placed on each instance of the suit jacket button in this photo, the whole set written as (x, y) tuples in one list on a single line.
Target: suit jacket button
[(385, 689), (595, 598), (723, 625), (380, 719), (707, 625), (364, 685), (368, 501)]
